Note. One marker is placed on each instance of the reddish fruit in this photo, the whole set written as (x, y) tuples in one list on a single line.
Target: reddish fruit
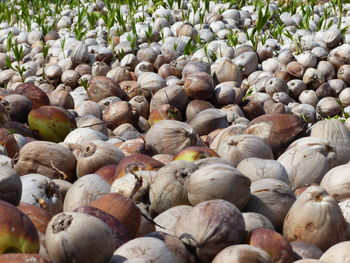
[(164, 112), (17, 232), (107, 173), (121, 208), (51, 122), (273, 243), (36, 95), (277, 130), (39, 216), (9, 142), (193, 153), (17, 127), (137, 162), (119, 231)]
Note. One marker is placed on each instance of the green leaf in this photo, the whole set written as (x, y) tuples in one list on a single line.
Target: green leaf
[(9, 41), (206, 5), (232, 39), (175, 46), (133, 27), (248, 93), (189, 48), (45, 50), (149, 33), (8, 62)]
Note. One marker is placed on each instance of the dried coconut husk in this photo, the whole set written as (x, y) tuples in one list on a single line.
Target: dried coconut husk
[(265, 192), (208, 120), (338, 253), (170, 136), (336, 182), (316, 218), (304, 166), (47, 158), (234, 149), (173, 95), (218, 181), (93, 155), (337, 134), (210, 227), (241, 254), (169, 188)]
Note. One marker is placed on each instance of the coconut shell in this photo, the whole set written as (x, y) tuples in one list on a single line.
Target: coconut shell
[(345, 208), (120, 112), (320, 145), (18, 107), (107, 172), (277, 130), (135, 186), (233, 130), (52, 123)]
